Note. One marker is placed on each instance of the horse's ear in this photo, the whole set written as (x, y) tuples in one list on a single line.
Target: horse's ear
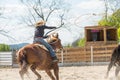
[(56, 35)]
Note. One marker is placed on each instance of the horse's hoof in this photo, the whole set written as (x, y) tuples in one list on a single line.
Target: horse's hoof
[(106, 77)]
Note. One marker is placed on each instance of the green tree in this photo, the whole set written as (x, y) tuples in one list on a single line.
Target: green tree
[(113, 20), (118, 34), (4, 47), (81, 42)]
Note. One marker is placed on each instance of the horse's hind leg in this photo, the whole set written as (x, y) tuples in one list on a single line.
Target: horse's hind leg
[(50, 74), (22, 72), (23, 69), (33, 68), (56, 72), (109, 67), (117, 70)]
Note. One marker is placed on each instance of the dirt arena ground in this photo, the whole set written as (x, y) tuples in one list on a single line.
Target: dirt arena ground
[(66, 73)]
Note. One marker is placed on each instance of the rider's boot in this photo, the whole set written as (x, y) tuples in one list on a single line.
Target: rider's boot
[(54, 59)]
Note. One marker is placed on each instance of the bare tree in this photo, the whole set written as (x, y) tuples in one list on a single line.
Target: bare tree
[(45, 10), (1, 11), (2, 28), (106, 9), (111, 6), (114, 5)]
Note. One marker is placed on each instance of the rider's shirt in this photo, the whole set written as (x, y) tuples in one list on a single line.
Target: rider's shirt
[(39, 31)]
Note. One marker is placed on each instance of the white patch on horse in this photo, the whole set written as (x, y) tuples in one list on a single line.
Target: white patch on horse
[(42, 46)]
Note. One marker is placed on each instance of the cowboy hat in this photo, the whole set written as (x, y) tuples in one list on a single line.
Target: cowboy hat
[(39, 23)]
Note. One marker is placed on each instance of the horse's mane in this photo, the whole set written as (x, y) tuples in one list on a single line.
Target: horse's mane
[(52, 37)]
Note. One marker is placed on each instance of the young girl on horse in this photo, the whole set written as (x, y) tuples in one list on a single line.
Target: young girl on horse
[(39, 37)]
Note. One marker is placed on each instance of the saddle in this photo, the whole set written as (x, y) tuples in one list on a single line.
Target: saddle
[(41, 46), (50, 40)]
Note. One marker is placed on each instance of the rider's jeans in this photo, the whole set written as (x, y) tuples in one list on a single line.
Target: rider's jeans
[(49, 47)]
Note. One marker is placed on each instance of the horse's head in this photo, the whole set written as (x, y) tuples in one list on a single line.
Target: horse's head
[(55, 42)]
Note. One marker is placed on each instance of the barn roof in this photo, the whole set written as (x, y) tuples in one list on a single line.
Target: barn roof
[(100, 27)]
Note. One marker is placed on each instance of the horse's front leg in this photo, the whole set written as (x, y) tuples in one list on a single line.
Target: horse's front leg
[(56, 72), (33, 68), (50, 74)]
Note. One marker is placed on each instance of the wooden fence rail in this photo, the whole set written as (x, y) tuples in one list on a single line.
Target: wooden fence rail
[(87, 54), (77, 55)]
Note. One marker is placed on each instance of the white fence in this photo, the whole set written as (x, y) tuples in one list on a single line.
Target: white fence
[(6, 59)]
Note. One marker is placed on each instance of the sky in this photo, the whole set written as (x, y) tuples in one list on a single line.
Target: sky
[(81, 15)]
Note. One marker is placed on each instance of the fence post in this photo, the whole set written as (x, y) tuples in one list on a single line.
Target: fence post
[(12, 58), (91, 55), (62, 57)]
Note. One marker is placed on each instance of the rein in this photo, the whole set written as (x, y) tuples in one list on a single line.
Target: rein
[(54, 29)]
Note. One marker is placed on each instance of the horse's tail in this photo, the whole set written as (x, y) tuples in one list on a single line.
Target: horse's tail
[(113, 60), (22, 61), (22, 58)]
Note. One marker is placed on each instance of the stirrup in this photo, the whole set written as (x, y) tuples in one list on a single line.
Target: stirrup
[(55, 60)]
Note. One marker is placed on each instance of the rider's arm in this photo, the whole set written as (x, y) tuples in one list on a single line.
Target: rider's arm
[(49, 27), (45, 36)]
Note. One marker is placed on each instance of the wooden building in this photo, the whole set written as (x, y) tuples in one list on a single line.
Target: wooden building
[(100, 35)]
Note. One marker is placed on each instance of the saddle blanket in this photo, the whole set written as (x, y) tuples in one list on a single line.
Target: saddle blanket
[(42, 46)]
